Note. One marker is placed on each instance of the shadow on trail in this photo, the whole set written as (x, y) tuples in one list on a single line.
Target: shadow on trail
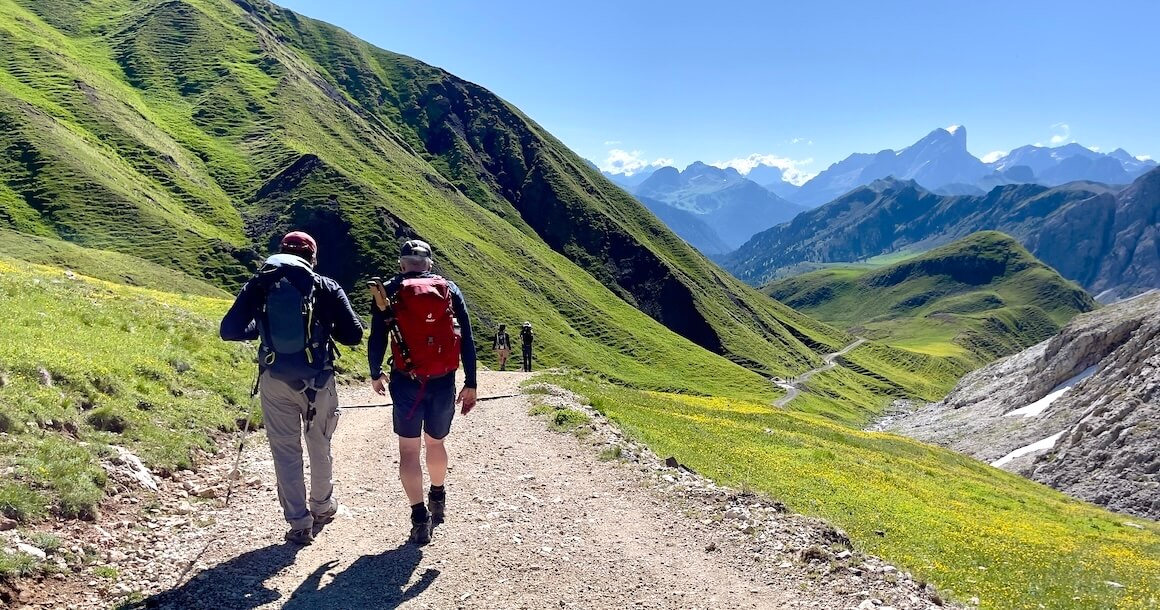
[(372, 581), (239, 583)]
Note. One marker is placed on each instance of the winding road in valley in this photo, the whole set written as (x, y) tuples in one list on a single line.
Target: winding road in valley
[(831, 361)]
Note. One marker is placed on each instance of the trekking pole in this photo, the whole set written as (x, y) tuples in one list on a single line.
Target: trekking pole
[(391, 404), (242, 439)]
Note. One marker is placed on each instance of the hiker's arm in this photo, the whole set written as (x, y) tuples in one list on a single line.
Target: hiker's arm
[(348, 329), (466, 342), (377, 342), (239, 323)]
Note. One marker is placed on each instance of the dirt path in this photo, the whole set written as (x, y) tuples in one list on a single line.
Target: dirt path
[(535, 520), (794, 388)]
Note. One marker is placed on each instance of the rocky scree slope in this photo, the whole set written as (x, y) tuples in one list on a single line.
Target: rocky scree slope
[(1089, 398)]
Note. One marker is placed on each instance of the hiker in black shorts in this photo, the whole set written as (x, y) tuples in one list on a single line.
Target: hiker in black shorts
[(425, 318)]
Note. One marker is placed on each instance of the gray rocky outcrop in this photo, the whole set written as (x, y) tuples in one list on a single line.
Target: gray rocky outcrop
[(1108, 451)]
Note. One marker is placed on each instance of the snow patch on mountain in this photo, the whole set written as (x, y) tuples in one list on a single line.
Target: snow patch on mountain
[(1035, 447), (1041, 405)]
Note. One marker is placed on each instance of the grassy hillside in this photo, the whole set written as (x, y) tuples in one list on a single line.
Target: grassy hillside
[(140, 368), (101, 264), (975, 530), (192, 134), (976, 299)]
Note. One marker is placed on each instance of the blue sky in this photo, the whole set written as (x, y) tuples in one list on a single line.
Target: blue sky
[(799, 84)]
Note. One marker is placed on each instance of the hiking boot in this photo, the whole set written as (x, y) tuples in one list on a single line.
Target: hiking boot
[(302, 536), (420, 532), (436, 508), (326, 516)]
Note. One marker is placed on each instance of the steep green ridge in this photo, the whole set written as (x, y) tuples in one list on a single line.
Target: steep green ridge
[(976, 299), (102, 264), (192, 133)]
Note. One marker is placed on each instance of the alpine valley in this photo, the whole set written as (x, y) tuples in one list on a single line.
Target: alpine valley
[(153, 152)]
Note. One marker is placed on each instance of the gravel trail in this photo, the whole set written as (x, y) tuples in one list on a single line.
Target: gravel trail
[(535, 520)]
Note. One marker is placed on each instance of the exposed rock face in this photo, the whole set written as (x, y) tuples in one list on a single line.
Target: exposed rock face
[(1110, 456), (1109, 420)]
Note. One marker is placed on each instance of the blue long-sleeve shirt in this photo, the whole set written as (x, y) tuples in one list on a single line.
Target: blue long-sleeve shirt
[(332, 308), (377, 343)]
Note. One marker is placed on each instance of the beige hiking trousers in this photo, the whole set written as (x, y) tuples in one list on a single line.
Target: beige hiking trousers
[(284, 410)]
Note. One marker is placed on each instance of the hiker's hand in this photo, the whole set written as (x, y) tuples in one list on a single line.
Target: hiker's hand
[(380, 385), (467, 399)]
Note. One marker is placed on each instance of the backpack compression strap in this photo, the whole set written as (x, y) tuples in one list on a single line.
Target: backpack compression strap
[(383, 302)]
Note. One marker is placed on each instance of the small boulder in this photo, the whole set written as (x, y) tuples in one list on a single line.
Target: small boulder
[(28, 549)]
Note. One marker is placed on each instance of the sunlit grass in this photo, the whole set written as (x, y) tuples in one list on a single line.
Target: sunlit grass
[(972, 301), (971, 529), (88, 363)]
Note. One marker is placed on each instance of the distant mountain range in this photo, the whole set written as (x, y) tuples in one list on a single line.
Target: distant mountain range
[(714, 209), (1105, 238), (735, 207), (941, 163)]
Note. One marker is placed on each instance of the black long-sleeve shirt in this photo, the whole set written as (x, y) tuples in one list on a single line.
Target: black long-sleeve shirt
[(332, 308), (501, 341), (377, 343)]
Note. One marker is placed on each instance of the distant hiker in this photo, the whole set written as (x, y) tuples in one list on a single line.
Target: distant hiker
[(526, 338), (426, 319), (502, 344), (298, 315)]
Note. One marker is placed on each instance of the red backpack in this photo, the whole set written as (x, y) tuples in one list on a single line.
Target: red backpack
[(426, 322)]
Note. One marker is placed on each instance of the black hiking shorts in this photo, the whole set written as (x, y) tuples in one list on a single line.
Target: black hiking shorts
[(422, 407)]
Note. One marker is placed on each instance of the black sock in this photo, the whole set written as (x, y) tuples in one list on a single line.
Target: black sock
[(438, 492), (419, 512)]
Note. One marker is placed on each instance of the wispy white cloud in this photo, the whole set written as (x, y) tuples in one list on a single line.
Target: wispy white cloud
[(1144, 157), (630, 162), (791, 170), (611, 142), (1094, 148), (1063, 133), (994, 156)]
